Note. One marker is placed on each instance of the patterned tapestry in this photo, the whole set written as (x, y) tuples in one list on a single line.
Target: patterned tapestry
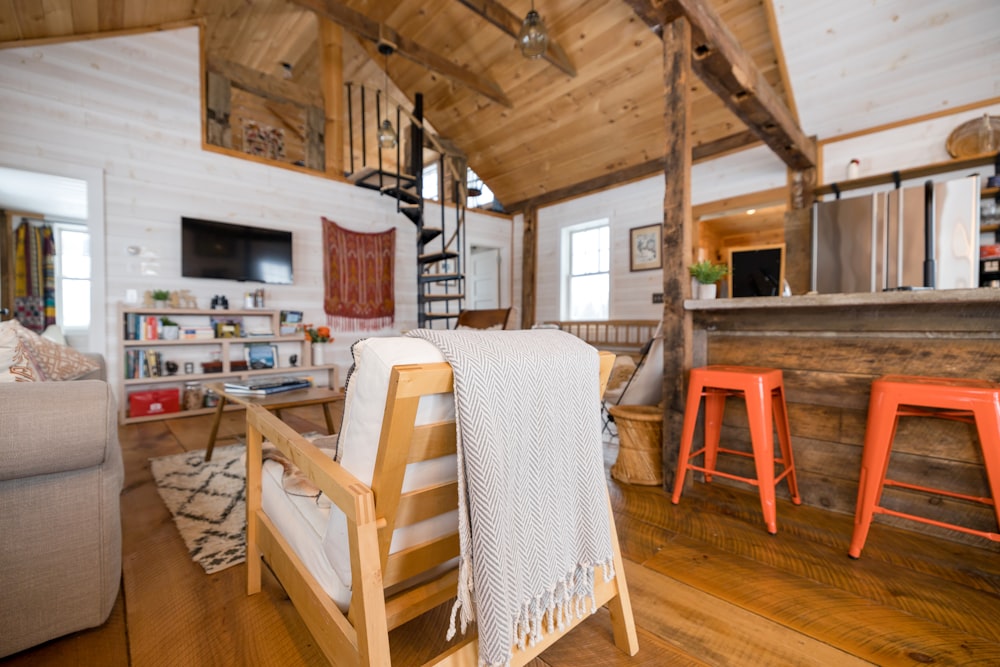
[(34, 276), (359, 272)]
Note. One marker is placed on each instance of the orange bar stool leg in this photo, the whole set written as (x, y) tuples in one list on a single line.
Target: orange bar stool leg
[(880, 430), (763, 391), (715, 405), (987, 417), (785, 440), (695, 389), (892, 396)]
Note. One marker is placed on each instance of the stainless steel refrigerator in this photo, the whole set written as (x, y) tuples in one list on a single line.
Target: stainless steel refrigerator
[(880, 241)]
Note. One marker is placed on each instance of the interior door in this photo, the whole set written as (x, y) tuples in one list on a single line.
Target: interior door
[(484, 281)]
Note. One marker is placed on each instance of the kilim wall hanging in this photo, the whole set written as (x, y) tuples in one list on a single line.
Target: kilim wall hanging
[(34, 276), (359, 270)]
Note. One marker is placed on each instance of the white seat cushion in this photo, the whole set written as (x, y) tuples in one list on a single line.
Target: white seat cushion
[(364, 409)]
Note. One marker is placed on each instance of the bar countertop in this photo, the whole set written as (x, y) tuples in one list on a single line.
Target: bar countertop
[(984, 295)]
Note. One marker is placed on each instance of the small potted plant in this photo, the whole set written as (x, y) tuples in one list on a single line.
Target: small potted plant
[(707, 274), (169, 330), (160, 297), (317, 336)]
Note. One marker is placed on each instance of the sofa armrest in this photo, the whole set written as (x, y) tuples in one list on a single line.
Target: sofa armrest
[(51, 427), (99, 373)]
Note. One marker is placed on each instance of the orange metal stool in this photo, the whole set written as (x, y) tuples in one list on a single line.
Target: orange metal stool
[(894, 396), (764, 393)]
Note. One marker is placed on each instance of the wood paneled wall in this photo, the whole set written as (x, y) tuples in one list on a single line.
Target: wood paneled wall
[(829, 356)]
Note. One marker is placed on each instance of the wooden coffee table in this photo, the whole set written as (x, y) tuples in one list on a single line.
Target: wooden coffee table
[(295, 398)]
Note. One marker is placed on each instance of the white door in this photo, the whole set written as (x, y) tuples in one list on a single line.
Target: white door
[(484, 279)]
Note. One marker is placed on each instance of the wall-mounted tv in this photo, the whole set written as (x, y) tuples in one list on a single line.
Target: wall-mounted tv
[(235, 252)]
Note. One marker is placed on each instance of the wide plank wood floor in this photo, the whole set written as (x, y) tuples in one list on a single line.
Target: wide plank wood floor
[(709, 586)]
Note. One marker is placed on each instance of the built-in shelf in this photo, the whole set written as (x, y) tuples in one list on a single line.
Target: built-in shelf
[(222, 349)]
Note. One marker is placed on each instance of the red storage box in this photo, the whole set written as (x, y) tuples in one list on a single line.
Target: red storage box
[(156, 402)]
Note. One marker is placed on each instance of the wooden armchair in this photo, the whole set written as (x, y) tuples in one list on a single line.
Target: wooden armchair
[(493, 318), (392, 527)]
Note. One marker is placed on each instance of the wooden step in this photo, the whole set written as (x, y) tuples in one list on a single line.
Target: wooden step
[(443, 297), (438, 277), (440, 316), (432, 257), (368, 177)]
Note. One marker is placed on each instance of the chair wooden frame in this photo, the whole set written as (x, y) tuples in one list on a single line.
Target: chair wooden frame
[(360, 637), (483, 319)]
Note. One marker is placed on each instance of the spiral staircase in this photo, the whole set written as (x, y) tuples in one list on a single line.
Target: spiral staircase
[(398, 173)]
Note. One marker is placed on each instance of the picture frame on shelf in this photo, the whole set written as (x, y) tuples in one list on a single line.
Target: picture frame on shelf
[(261, 356), (645, 248), (290, 322)]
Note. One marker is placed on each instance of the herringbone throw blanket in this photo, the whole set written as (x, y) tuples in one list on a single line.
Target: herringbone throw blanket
[(533, 514)]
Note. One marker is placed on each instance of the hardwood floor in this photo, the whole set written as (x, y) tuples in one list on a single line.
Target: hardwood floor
[(708, 585)]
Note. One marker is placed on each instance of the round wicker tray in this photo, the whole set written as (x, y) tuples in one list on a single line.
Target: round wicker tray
[(975, 137)]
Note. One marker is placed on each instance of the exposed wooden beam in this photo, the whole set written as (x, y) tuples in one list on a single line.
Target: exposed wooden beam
[(364, 27), (510, 23), (705, 151), (729, 71), (264, 85), (529, 267)]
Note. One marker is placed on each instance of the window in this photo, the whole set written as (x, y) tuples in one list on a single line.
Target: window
[(429, 185), (588, 279), (430, 188), (72, 267)]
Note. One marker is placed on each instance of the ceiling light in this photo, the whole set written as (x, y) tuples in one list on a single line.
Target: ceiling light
[(533, 38), (386, 135), (751, 211)]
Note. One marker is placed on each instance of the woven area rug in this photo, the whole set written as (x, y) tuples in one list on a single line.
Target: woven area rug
[(208, 503)]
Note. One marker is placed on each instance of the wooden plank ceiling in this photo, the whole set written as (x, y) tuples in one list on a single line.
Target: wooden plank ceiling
[(558, 131)]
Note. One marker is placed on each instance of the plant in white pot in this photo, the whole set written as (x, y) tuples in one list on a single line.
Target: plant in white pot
[(169, 330), (707, 274)]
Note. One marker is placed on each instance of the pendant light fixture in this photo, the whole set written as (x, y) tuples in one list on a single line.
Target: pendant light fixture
[(533, 38), (386, 135)]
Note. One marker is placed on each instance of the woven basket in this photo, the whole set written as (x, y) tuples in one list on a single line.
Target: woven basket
[(640, 435)]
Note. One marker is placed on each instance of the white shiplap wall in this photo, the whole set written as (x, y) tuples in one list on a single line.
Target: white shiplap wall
[(130, 107)]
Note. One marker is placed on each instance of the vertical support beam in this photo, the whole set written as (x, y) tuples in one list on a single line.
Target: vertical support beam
[(529, 266), (331, 77), (798, 229), (677, 236)]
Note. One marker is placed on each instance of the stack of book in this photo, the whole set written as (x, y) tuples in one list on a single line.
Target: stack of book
[(262, 386)]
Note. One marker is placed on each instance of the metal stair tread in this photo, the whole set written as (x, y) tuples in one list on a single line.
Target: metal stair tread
[(443, 297)]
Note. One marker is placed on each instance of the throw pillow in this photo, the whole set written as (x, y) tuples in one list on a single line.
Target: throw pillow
[(15, 364), (54, 361)]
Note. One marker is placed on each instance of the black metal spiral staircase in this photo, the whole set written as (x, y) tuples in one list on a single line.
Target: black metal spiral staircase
[(440, 270)]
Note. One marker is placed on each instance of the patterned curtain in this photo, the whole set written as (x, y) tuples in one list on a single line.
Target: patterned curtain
[(359, 275), (34, 276)]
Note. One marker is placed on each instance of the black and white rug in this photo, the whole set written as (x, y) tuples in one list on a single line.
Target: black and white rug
[(208, 503)]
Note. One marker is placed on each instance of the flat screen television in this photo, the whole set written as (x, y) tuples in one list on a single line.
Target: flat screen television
[(235, 252)]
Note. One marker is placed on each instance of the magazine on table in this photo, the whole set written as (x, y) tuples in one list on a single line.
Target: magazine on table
[(272, 384)]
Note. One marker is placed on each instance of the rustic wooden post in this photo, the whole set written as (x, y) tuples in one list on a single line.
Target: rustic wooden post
[(798, 229), (332, 82), (529, 266), (677, 234)]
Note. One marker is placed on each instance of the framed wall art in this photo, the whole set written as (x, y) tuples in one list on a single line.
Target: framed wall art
[(645, 248)]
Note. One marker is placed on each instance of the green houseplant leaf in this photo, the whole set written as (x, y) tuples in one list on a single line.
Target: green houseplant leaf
[(707, 273)]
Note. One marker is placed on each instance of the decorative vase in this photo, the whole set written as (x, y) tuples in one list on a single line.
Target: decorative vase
[(317, 354), (159, 303), (707, 291)]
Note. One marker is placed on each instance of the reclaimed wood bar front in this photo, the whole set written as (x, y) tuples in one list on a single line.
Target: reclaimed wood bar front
[(830, 348)]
